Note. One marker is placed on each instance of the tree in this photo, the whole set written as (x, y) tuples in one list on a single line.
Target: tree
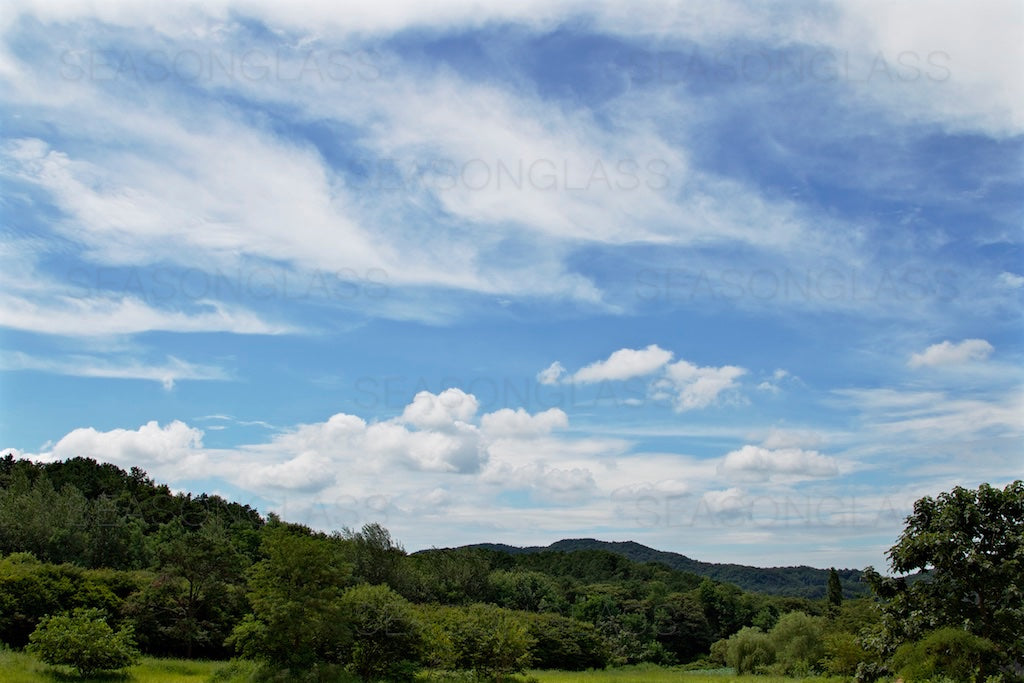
[(83, 641), (835, 591), (968, 546), (193, 600), (387, 634), (297, 618), (488, 640)]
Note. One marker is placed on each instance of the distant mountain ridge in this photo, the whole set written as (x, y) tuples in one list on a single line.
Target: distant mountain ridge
[(800, 581)]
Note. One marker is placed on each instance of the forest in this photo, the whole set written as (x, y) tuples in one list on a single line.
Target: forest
[(99, 566)]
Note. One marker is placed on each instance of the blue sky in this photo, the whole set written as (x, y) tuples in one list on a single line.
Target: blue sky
[(734, 280)]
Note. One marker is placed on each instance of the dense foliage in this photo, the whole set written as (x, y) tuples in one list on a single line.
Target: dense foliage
[(203, 577), (84, 641)]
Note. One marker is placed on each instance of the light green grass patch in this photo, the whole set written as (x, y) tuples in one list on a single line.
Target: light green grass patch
[(17, 667)]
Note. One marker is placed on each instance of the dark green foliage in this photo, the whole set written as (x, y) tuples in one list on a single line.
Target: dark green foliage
[(804, 582), (563, 643), (834, 595), (31, 590), (485, 639), (84, 641), (971, 544), (387, 636), (529, 591), (297, 616)]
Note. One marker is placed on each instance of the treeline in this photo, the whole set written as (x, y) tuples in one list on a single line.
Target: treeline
[(804, 582), (198, 576)]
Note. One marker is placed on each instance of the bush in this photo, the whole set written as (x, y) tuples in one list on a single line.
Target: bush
[(797, 640), (948, 652), (488, 640), (83, 641), (749, 649), (843, 652)]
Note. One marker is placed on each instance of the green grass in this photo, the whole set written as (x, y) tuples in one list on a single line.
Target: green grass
[(655, 674), (17, 667)]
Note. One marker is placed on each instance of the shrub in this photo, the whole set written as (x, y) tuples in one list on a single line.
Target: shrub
[(950, 652), (83, 641), (797, 640), (749, 649)]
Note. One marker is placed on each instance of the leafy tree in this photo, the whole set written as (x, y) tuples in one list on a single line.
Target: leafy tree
[(525, 590), (487, 640), (84, 641), (297, 616), (835, 591), (387, 634), (970, 546), (378, 559), (566, 644)]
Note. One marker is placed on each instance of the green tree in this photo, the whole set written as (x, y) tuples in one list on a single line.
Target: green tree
[(969, 546), (297, 618), (387, 635), (488, 640), (835, 591), (84, 641), (525, 590)]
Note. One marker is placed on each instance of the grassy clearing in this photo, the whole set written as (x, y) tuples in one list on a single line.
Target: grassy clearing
[(17, 667), (656, 674)]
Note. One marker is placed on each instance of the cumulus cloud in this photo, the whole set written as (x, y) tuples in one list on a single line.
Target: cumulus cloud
[(149, 445), (692, 387), (756, 463), (442, 410), (625, 364), (508, 422), (948, 353)]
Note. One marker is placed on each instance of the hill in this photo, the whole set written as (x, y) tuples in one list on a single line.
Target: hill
[(801, 581)]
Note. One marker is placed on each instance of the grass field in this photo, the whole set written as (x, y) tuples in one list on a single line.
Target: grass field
[(16, 667), (653, 674)]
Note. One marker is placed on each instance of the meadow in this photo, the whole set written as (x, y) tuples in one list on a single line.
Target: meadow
[(16, 667)]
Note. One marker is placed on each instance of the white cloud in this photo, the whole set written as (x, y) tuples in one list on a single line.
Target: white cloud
[(442, 410), (625, 364), (691, 387), (756, 463), (519, 423), (167, 374), (1011, 280), (773, 384), (175, 444), (551, 374), (948, 353)]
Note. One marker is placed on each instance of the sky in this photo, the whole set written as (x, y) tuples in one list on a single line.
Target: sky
[(736, 280)]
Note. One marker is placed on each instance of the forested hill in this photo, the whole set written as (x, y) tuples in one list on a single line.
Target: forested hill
[(804, 582)]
